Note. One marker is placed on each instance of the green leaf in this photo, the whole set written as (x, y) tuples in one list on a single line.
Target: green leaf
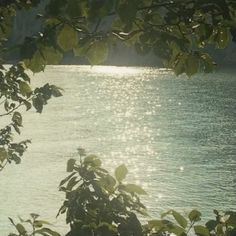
[(40, 223), (155, 224), (21, 229), (17, 118), (121, 172), (27, 104), (232, 219), (201, 230), (36, 63), (38, 103), (97, 52), (175, 229), (219, 229), (180, 219), (67, 38), (15, 126), (3, 154), (70, 165), (211, 224), (108, 181), (133, 188), (51, 55), (67, 178), (34, 215), (194, 215), (25, 89), (92, 160), (56, 91), (46, 232)]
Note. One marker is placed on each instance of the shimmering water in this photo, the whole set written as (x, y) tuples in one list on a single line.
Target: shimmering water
[(176, 135)]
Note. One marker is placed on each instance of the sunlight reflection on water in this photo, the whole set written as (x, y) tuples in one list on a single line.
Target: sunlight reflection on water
[(171, 132)]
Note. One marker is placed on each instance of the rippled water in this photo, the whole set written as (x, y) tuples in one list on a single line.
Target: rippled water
[(176, 135)]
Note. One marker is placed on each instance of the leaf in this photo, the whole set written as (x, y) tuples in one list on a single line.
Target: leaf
[(17, 118), (133, 188), (66, 179), (232, 219), (175, 229), (34, 215), (67, 38), (51, 55), (6, 105), (27, 104), (56, 91), (70, 165), (15, 126), (40, 223), (11, 220), (155, 224), (25, 89), (38, 103), (201, 230), (92, 160), (194, 215), (46, 232), (36, 63), (121, 172), (211, 224), (16, 159), (97, 52), (3, 154), (71, 183), (180, 219), (21, 229)]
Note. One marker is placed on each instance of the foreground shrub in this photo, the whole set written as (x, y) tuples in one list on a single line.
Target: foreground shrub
[(98, 204)]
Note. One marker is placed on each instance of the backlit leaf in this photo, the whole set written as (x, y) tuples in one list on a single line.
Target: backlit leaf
[(180, 219), (25, 88), (121, 172), (51, 55), (97, 52), (201, 230), (133, 188), (67, 38)]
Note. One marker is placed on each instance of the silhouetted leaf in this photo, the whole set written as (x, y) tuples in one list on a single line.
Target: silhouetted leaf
[(70, 165)]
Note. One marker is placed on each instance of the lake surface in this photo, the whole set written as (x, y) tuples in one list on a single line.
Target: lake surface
[(176, 135)]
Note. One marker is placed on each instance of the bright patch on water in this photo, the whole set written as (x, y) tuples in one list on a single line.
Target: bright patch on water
[(176, 135)]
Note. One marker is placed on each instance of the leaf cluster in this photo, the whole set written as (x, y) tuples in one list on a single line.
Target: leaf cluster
[(175, 31), (99, 204), (38, 227), (15, 92)]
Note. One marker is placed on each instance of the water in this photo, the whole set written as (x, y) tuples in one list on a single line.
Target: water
[(176, 135)]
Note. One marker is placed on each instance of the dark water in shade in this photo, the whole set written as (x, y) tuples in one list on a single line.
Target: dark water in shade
[(176, 135)]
